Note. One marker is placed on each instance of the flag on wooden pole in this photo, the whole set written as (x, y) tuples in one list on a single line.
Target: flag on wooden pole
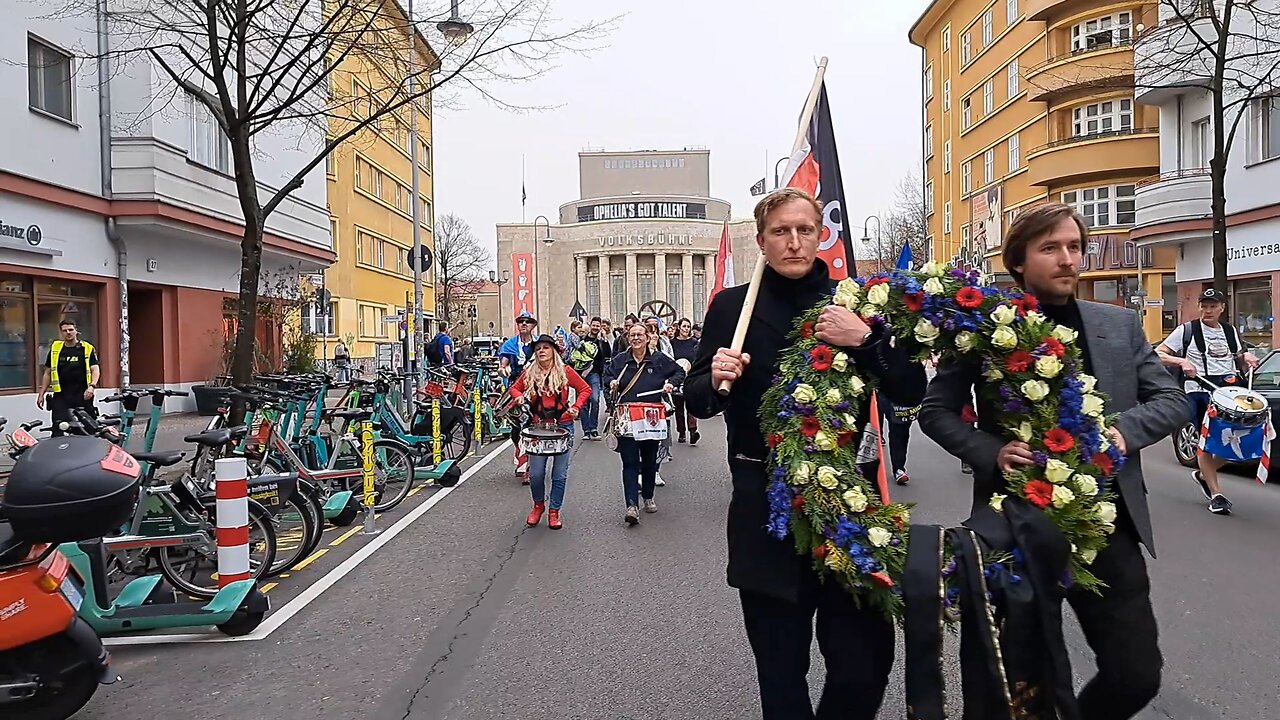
[(724, 264)]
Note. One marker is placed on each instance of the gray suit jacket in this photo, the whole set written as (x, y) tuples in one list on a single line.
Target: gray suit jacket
[(1150, 404)]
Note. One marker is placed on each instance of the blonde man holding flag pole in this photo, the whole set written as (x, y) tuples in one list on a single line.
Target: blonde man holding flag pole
[(779, 589)]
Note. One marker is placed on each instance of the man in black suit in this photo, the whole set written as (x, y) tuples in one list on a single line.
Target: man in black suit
[(1042, 252), (779, 589)]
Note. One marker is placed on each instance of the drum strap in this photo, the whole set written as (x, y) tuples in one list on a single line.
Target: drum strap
[(634, 379)]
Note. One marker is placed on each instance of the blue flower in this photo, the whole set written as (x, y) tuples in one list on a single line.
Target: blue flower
[(1040, 458), (780, 497)]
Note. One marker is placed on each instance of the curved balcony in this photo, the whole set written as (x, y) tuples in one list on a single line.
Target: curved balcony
[(1169, 60), (1045, 10), (1099, 67), (1133, 151), (1180, 196)]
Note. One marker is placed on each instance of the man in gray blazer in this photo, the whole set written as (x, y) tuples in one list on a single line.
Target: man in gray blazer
[(1042, 252)]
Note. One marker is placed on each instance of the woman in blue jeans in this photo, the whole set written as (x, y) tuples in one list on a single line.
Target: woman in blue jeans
[(640, 375), (555, 393)]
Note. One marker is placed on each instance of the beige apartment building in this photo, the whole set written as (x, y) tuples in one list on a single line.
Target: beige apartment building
[(1030, 101)]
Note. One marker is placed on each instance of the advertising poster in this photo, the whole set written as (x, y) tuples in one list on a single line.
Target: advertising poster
[(523, 297), (986, 210)]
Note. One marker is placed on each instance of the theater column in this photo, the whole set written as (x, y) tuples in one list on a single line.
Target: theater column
[(686, 279), (660, 276), (606, 290), (581, 297), (633, 281)]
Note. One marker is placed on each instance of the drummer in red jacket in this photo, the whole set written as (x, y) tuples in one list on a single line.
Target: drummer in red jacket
[(556, 394)]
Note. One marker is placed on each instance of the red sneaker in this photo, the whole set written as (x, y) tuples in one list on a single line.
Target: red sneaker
[(553, 520), (535, 515)]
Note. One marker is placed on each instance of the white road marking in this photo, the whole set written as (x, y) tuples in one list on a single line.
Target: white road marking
[(277, 619)]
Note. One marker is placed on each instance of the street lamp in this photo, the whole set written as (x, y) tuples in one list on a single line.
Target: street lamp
[(866, 238), (455, 29), (776, 181), (506, 278), (541, 309)]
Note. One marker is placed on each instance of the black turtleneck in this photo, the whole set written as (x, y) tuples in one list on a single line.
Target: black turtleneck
[(1068, 314)]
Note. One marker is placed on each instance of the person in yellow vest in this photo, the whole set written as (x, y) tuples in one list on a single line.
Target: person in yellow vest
[(71, 372)]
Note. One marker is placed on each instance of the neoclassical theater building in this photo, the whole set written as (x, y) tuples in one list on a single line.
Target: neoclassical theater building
[(643, 235)]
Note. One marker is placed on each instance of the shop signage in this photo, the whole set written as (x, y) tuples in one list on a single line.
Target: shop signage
[(31, 233), (650, 239), (642, 210), (1108, 252)]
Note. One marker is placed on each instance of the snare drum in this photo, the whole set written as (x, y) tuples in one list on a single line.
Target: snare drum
[(641, 421), (545, 440), (1239, 406), (1237, 425)]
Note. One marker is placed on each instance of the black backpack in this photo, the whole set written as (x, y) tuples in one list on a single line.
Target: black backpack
[(1196, 328), (434, 351)]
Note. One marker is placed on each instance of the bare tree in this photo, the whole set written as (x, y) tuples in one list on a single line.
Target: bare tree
[(460, 265), (262, 67), (905, 223), (1229, 49)]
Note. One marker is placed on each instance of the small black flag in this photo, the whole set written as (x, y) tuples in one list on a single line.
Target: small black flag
[(758, 188)]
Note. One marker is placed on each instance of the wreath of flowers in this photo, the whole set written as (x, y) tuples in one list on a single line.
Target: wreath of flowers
[(817, 493)]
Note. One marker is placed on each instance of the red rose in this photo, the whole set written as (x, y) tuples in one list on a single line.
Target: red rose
[(820, 357), (810, 426), (820, 552), (806, 330), (1026, 304), (1054, 347), (798, 503), (844, 437), (968, 414), (1103, 462), (774, 440), (1039, 493), (1019, 361), (913, 301), (969, 297), (883, 578), (876, 281), (1059, 440)]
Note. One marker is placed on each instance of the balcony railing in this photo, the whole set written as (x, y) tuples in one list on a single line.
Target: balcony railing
[(1095, 136), (1127, 42), (1173, 175)]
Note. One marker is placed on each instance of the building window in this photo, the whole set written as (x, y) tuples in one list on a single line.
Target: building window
[(964, 237), (424, 154), (946, 94), (593, 294), (1015, 152), (946, 156), (928, 83), (316, 321), (928, 141), (29, 323), (209, 144), (1109, 205), (1013, 81), (988, 25), (330, 164), (946, 217), (699, 296), (1102, 117), (1202, 139), (946, 38), (645, 287), (675, 291), (989, 166), (1102, 32), (1251, 310), (1011, 11), (966, 177), (49, 86), (988, 97), (428, 220), (928, 197), (377, 184), (618, 295), (966, 113), (1266, 126), (966, 47)]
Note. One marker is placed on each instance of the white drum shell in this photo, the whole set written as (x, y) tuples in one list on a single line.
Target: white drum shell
[(543, 440), (1240, 406)]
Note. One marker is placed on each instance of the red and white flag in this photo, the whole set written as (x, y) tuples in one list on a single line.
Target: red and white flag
[(724, 265)]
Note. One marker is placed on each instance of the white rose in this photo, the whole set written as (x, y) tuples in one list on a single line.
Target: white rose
[(1065, 334), (840, 362), (1023, 432), (878, 294), (992, 373), (804, 393), (850, 421), (847, 293), (1004, 314), (1035, 390), (1092, 405), (1103, 443), (1035, 318), (1004, 337), (879, 536), (965, 340), (856, 385), (1062, 496), (869, 310), (926, 332), (933, 286), (997, 502), (1056, 471), (802, 473), (825, 441), (1048, 366), (1087, 485), (1088, 381), (828, 477), (1106, 512), (934, 269), (855, 499), (1088, 556), (833, 396)]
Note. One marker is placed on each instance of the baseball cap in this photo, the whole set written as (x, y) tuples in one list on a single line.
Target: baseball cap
[(526, 315), (1212, 295)]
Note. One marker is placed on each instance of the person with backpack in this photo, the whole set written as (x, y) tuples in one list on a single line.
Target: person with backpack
[(440, 350), (1207, 348)]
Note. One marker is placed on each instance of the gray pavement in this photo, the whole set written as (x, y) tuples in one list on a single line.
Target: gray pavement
[(468, 614)]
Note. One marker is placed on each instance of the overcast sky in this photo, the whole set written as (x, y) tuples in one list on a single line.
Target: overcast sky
[(730, 75)]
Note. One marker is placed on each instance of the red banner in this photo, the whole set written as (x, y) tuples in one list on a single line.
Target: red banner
[(816, 170), (523, 285)]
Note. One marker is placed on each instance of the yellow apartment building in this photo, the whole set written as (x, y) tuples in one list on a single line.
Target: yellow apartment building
[(1028, 101), (370, 210)]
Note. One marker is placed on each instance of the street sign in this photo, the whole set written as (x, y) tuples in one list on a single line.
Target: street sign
[(427, 259), (577, 312), (1158, 302), (392, 318), (316, 279)]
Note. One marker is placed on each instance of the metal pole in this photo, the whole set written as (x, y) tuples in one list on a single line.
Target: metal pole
[(417, 338)]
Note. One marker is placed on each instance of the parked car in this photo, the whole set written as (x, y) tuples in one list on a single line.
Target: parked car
[(1266, 381), (486, 345)]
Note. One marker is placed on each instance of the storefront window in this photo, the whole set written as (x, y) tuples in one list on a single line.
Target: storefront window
[(15, 352), (22, 310), (1251, 311), (1169, 313)]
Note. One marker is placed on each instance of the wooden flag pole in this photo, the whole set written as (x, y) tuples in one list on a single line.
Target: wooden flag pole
[(753, 290)]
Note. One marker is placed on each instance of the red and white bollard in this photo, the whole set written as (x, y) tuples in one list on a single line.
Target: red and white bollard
[(232, 492)]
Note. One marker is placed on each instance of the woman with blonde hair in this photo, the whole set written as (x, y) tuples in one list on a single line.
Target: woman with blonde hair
[(555, 394)]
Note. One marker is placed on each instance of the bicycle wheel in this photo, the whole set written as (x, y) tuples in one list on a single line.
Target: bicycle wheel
[(315, 504), (193, 570), (393, 471), (295, 528)]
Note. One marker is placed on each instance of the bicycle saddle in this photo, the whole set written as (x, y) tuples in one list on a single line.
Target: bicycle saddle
[(160, 459), (211, 438)]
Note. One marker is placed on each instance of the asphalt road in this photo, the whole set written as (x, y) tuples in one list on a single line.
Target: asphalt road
[(468, 614)]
